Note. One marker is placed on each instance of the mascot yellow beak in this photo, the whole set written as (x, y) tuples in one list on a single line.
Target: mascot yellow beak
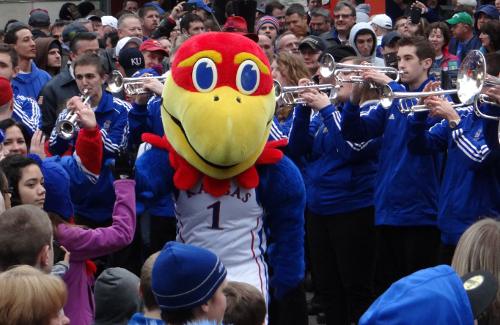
[(219, 128)]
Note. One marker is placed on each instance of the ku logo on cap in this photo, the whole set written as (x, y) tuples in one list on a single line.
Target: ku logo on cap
[(136, 61), (473, 282)]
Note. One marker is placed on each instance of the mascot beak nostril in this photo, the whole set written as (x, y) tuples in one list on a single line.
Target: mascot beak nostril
[(216, 98), (238, 99)]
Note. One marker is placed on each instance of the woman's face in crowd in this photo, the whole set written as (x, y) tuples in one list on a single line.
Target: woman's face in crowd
[(278, 75), (345, 90), (6, 195), (485, 39), (14, 142), (30, 187), (437, 40)]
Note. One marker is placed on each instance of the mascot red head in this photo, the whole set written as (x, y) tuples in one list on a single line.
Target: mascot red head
[(218, 103)]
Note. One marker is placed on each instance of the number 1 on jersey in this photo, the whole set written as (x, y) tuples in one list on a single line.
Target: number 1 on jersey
[(215, 215)]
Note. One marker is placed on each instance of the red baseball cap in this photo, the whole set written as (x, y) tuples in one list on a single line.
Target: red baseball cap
[(238, 24), (152, 45), (6, 93)]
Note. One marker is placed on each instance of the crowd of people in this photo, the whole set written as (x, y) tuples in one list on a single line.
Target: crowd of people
[(400, 202)]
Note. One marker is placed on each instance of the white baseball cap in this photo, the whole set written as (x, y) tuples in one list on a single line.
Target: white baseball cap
[(382, 20), (124, 41), (109, 21), (468, 3)]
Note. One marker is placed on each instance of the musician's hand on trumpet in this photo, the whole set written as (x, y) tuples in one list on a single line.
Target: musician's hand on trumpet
[(313, 98), (373, 75), (85, 115), (494, 93), (441, 107)]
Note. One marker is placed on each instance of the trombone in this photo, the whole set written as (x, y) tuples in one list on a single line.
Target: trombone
[(66, 128), (290, 95), (328, 67), (131, 86), (470, 81)]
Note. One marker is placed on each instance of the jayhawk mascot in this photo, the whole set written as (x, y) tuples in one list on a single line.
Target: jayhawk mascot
[(233, 190)]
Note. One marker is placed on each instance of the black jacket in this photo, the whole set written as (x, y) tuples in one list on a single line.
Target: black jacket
[(53, 98)]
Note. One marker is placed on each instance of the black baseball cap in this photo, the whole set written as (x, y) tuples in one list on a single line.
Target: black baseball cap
[(131, 60), (390, 37), (481, 288), (314, 42)]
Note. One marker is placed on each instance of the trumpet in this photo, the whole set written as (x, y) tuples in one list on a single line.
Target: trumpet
[(131, 86), (66, 128), (290, 94), (328, 67), (470, 81)]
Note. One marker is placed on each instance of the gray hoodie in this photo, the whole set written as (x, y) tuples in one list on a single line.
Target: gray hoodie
[(352, 36), (116, 296)]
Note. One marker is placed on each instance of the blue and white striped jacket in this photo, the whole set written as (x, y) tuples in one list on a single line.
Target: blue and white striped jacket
[(407, 184), (470, 188), (112, 117), (27, 112), (339, 175)]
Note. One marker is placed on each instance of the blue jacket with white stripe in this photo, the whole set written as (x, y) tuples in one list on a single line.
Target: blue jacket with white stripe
[(338, 174), (27, 112), (112, 118), (470, 187), (406, 184)]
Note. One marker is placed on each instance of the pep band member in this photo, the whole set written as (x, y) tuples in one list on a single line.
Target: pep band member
[(95, 208), (339, 178), (406, 184), (470, 187)]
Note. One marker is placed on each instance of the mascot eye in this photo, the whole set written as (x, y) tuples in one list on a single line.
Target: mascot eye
[(247, 77), (204, 75)]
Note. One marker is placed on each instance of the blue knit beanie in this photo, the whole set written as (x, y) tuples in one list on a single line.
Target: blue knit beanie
[(185, 276), (57, 196)]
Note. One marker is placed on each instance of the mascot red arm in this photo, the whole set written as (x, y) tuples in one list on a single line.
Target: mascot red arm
[(229, 184)]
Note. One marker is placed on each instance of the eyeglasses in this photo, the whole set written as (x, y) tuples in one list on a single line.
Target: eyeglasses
[(342, 16)]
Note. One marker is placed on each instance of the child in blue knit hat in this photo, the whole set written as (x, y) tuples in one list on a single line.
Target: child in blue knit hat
[(188, 284)]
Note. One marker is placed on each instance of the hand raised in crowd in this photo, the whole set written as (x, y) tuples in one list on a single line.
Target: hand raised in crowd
[(38, 144), (67, 254), (314, 98), (420, 5), (178, 11), (441, 107)]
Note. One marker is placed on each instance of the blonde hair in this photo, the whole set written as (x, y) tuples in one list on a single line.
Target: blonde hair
[(293, 68), (30, 296), (479, 249)]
